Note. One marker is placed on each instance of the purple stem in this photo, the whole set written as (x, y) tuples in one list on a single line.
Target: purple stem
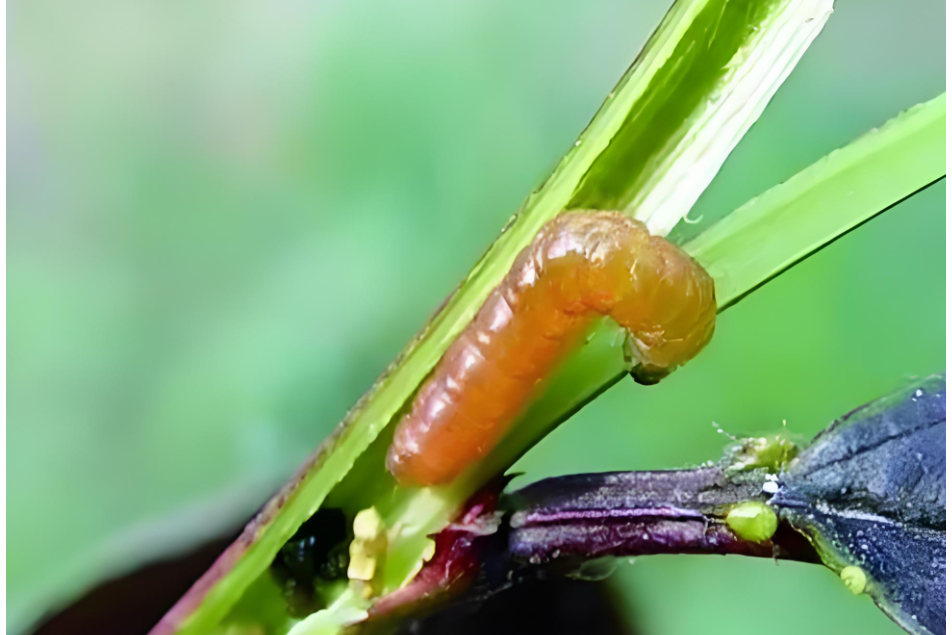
[(554, 526), (588, 516)]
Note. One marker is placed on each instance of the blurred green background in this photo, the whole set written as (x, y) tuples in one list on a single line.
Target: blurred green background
[(226, 218)]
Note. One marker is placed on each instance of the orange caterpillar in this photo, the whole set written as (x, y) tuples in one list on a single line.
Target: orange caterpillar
[(580, 266)]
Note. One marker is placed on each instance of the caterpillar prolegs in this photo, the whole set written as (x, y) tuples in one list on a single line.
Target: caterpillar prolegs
[(580, 266)]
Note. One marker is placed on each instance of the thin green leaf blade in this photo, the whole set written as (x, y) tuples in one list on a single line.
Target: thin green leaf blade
[(778, 229)]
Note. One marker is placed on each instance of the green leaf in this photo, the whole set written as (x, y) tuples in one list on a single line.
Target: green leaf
[(778, 229)]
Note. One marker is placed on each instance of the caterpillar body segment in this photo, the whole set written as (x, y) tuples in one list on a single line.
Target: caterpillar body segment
[(580, 266)]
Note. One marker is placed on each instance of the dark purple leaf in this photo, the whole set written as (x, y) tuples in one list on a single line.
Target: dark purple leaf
[(869, 492)]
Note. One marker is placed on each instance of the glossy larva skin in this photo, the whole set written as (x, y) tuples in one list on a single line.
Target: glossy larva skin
[(580, 266)]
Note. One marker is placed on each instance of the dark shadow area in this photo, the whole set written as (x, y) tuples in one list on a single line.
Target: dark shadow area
[(133, 603), (556, 607)]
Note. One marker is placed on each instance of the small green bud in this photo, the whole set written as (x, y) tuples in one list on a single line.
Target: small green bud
[(854, 578), (773, 452), (753, 521)]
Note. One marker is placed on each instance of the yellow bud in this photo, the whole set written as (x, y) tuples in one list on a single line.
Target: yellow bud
[(854, 578), (368, 548)]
